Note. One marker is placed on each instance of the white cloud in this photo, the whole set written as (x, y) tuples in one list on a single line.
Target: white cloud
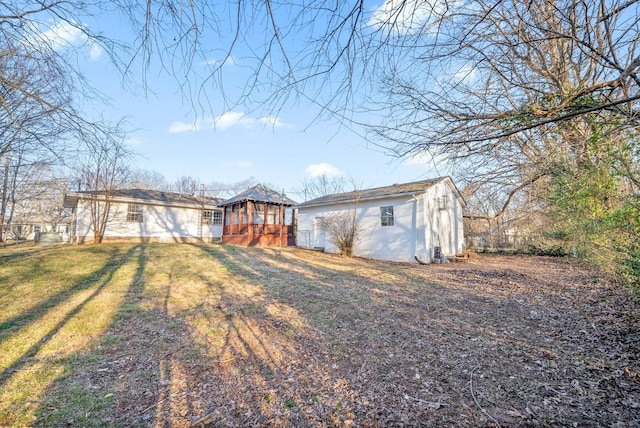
[(176, 127), (233, 118), (429, 161), (421, 158), (465, 74), (195, 126), (133, 142), (95, 52), (65, 35), (318, 169), (407, 16), (225, 121), (274, 122)]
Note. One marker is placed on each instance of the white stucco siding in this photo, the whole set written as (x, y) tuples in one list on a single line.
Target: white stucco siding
[(160, 223), (310, 233), (444, 226), (420, 224), (395, 243)]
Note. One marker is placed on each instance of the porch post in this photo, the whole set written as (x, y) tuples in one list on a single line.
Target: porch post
[(266, 216), (250, 220)]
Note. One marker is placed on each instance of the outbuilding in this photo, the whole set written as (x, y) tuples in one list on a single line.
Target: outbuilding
[(411, 222)]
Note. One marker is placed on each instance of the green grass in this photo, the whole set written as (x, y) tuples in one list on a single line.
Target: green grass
[(65, 311), (53, 305), (125, 335)]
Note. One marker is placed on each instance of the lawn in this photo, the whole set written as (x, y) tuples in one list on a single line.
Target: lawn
[(212, 335)]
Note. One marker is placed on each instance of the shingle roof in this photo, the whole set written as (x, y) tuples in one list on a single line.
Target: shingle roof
[(375, 193), (260, 193), (153, 196)]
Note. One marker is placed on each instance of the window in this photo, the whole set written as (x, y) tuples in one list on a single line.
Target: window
[(386, 216), (273, 214), (236, 213), (245, 212), (227, 219), (207, 217), (442, 203), (258, 213), (134, 213), (211, 217)]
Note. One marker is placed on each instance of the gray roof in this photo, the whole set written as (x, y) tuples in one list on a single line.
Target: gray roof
[(375, 193), (260, 193), (144, 195)]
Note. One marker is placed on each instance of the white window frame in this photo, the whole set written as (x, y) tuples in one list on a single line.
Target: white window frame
[(442, 203), (207, 217), (386, 216), (134, 213)]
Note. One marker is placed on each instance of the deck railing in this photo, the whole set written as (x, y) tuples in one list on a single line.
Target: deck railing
[(257, 229)]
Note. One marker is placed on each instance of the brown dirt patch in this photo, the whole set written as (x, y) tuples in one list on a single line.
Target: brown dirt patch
[(309, 339)]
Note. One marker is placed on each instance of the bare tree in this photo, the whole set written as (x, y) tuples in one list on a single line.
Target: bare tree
[(102, 169), (443, 58), (218, 189), (186, 185), (343, 230), (343, 227), (146, 179), (321, 185), (510, 92), (31, 133), (35, 194)]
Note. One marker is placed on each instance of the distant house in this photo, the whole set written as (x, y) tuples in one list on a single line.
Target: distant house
[(258, 216), (147, 216), (35, 227), (401, 222)]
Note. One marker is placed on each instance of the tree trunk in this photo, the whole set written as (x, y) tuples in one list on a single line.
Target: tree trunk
[(3, 203)]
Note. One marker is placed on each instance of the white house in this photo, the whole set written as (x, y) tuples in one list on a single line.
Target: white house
[(146, 216), (404, 222)]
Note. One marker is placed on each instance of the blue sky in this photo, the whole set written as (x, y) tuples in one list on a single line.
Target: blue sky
[(232, 144)]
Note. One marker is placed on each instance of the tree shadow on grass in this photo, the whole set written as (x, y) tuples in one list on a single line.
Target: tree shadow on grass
[(221, 359), (229, 361), (102, 275), (250, 337), (39, 339), (408, 345)]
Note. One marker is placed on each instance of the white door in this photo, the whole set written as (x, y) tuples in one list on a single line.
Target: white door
[(319, 235)]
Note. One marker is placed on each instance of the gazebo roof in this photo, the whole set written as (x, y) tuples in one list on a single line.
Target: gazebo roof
[(260, 193)]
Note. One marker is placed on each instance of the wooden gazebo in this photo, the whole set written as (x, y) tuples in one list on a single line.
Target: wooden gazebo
[(258, 216)]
